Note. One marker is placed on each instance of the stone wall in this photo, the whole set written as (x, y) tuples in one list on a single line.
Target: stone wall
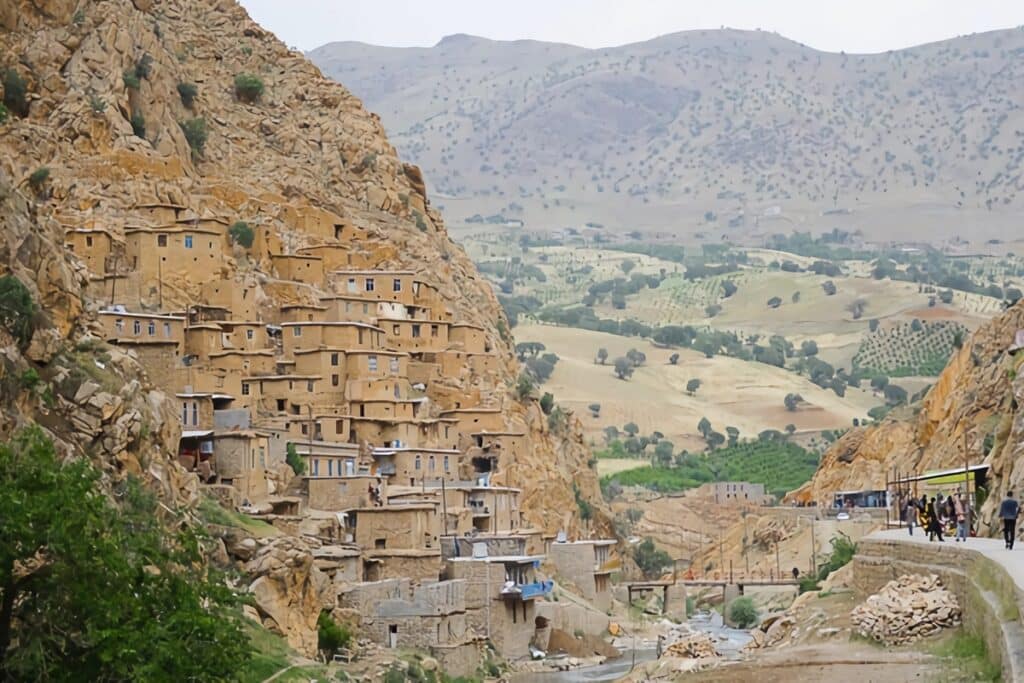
[(988, 596)]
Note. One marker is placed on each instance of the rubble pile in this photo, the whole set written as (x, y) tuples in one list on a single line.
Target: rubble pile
[(907, 609), (683, 642)]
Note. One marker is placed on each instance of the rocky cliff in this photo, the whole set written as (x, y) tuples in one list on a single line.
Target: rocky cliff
[(974, 406), (106, 117)]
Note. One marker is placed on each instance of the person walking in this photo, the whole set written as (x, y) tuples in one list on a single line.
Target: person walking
[(1009, 509), (934, 525), (960, 513), (910, 512)]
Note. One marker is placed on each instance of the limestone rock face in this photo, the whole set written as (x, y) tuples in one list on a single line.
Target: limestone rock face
[(305, 145), (974, 406), (290, 592)]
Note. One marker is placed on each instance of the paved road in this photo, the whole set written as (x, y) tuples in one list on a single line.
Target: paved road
[(993, 548)]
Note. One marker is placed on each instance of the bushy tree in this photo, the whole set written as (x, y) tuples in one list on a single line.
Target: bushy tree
[(651, 561), (331, 637), (188, 93), (792, 401), (97, 591), (704, 426), (524, 386), (195, 135), (692, 386), (663, 453), (728, 288), (631, 428), (15, 93), (742, 612), (627, 265), (294, 460), (547, 402), (241, 234), (623, 368), (829, 288), (248, 88), (17, 310), (673, 359), (595, 409), (602, 355), (774, 302)]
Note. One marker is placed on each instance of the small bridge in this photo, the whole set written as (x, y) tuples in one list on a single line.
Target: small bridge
[(739, 583)]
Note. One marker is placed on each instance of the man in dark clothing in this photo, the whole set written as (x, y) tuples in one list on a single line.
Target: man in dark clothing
[(1009, 509), (934, 527)]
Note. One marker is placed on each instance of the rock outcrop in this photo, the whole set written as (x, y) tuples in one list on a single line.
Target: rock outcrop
[(973, 408), (106, 118)]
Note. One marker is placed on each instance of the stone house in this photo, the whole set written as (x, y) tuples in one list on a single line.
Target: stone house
[(417, 465), (469, 338), (299, 268), (122, 327), (304, 313), (500, 595), (415, 335), (240, 461), (327, 459), (733, 493), (380, 285), (588, 565), (339, 335), (404, 527), (94, 247), (344, 492)]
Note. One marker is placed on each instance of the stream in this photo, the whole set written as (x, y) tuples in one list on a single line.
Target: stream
[(728, 641)]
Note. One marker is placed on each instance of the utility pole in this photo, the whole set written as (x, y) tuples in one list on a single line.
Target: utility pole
[(814, 551), (967, 487), (778, 567), (444, 505)]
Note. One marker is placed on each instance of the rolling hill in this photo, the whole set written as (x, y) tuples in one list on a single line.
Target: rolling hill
[(708, 134)]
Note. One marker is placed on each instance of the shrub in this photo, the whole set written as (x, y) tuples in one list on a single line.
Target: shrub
[(96, 104), (144, 67), (650, 559), (547, 403), (330, 636), (188, 93), (241, 234), (248, 88), (131, 81), (294, 460), (742, 612), (195, 134), (38, 178), (138, 122), (623, 368), (17, 309), (524, 386), (3, 113), (595, 409), (15, 93)]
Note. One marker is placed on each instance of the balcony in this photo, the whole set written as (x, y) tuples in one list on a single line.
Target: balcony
[(386, 470), (528, 591)]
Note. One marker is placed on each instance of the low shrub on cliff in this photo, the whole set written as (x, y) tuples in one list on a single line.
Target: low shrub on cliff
[(15, 93), (248, 88), (17, 309), (195, 134), (188, 93)]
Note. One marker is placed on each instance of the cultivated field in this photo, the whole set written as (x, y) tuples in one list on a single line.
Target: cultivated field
[(733, 393)]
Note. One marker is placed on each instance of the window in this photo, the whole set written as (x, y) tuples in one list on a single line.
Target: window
[(119, 325), (339, 426), (249, 334), (398, 391), (369, 284), (371, 362), (184, 412), (415, 331), (335, 380), (195, 413), (167, 330), (245, 388), (334, 359), (304, 428), (151, 328), (394, 366), (309, 386), (330, 468), (396, 330), (88, 243), (433, 330), (352, 285), (161, 240), (348, 306), (263, 457), (316, 467), (446, 463), (188, 241), (396, 284), (430, 463), (366, 308), (137, 327), (417, 465), (296, 331)]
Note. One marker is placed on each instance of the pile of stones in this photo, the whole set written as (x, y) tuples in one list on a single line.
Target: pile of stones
[(907, 609)]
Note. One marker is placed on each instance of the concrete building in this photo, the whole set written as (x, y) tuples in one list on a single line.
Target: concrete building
[(588, 565)]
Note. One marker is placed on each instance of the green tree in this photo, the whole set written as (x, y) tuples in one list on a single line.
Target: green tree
[(241, 234), (627, 265), (294, 460), (195, 135), (692, 386), (704, 426), (330, 637), (631, 428), (602, 355), (663, 453), (733, 435), (742, 612), (623, 368), (15, 93), (17, 309), (650, 559), (673, 359), (188, 93), (595, 409), (547, 403), (524, 386), (248, 88), (791, 401), (97, 591)]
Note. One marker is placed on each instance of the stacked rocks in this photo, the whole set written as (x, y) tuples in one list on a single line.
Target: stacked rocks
[(907, 609)]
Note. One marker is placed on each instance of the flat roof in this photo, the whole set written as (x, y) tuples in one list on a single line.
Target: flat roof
[(333, 323), (153, 316), (500, 433), (196, 433), (173, 229), (373, 272), (504, 559), (463, 324), (938, 474), (280, 377), (422, 507), (382, 450), (472, 410), (241, 352), (299, 256)]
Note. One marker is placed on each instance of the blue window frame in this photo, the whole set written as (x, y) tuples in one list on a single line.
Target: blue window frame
[(188, 241)]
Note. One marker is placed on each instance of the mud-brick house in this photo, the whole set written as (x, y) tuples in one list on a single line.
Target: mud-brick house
[(299, 268), (305, 313), (326, 458), (500, 597), (240, 461), (397, 540), (489, 453), (238, 300), (331, 427), (415, 335), (379, 285), (292, 394), (426, 295), (160, 213), (318, 222), (337, 335), (416, 433), (334, 255), (477, 419), (157, 340), (95, 247), (415, 466), (352, 308), (163, 252), (469, 338), (588, 565), (340, 563), (345, 492), (430, 616)]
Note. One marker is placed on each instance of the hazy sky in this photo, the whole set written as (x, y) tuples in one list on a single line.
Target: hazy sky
[(833, 25)]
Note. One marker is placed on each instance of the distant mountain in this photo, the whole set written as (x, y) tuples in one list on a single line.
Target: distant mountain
[(723, 131)]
